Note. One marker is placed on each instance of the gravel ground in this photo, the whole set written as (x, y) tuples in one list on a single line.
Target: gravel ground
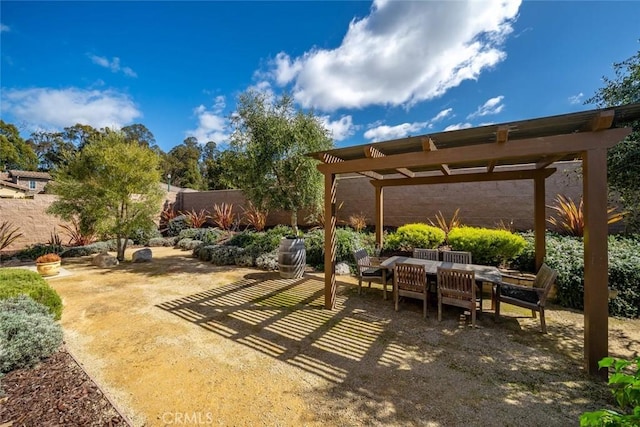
[(181, 342)]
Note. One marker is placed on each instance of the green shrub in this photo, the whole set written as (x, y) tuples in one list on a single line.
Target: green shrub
[(176, 225), (411, 236), (78, 251), (205, 252), (268, 262), (225, 255), (209, 236), (566, 255), (28, 333), (256, 244), (625, 387), (189, 233), (347, 241), (34, 251), (188, 244), (487, 246), (141, 236), (161, 241), (18, 281)]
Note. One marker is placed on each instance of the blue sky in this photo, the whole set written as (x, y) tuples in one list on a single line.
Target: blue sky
[(371, 71)]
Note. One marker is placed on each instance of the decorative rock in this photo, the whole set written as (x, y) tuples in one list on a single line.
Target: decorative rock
[(142, 255), (104, 260), (342, 269)]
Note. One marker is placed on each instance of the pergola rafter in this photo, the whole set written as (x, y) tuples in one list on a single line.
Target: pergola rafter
[(528, 147)]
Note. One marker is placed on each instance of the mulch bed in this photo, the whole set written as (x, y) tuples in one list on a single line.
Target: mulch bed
[(57, 392)]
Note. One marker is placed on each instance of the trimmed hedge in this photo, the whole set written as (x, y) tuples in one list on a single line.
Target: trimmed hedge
[(28, 333), (34, 251), (487, 246), (18, 281), (566, 255), (411, 236)]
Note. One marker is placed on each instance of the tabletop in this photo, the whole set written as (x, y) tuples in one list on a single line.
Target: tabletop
[(485, 273)]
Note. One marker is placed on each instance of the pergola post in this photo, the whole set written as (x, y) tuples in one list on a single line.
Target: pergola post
[(596, 308), (540, 227), (379, 216), (329, 240)]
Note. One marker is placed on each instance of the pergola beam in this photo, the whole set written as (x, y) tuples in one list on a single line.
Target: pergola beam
[(546, 161), (428, 145), (602, 121), (502, 135), (372, 152), (524, 148), (331, 159), (467, 177)]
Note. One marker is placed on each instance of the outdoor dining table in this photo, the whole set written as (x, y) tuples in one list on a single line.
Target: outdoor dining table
[(483, 273)]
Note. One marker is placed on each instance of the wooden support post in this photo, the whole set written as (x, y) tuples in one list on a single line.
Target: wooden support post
[(596, 301), (379, 216), (540, 227), (329, 241)]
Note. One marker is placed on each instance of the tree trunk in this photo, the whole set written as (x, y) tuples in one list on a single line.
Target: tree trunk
[(121, 245), (294, 221)]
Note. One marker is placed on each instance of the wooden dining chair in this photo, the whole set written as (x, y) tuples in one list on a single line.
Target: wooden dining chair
[(410, 280), (533, 298), (457, 288), (430, 254), (366, 271), (458, 257)]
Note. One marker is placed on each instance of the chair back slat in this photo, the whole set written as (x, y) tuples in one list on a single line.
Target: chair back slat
[(458, 257), (429, 254), (544, 280), (410, 277), (362, 259), (458, 284)]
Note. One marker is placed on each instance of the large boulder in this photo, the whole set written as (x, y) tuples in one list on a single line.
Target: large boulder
[(142, 255), (104, 260), (342, 269)]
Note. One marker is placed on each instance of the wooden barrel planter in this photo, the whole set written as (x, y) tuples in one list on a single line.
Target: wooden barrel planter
[(292, 258)]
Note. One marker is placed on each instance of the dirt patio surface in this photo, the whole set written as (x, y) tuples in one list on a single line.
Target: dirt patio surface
[(182, 342)]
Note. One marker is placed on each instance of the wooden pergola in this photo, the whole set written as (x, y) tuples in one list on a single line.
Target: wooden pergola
[(528, 148)]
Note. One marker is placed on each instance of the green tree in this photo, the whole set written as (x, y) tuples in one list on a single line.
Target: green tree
[(624, 158), (52, 149), (214, 168), (269, 144), (182, 162), (139, 133), (15, 153), (111, 184)]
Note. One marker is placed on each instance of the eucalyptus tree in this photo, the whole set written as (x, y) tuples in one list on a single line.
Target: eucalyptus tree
[(15, 153), (269, 146)]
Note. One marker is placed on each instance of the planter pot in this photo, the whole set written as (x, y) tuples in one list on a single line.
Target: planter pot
[(292, 258), (48, 268)]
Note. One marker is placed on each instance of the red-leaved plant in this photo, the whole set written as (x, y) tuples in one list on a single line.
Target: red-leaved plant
[(223, 215)]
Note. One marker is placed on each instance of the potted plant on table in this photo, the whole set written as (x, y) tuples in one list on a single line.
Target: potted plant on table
[(48, 264)]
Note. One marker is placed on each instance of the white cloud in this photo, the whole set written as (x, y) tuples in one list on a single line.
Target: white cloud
[(576, 99), (384, 132), (492, 106), (442, 115), (457, 126), (113, 65), (219, 103), (66, 107), (379, 132), (4, 28), (340, 129), (402, 53), (212, 126)]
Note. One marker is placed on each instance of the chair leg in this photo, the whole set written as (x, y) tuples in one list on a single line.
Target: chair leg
[(496, 314), (424, 307), (359, 285), (533, 314), (439, 309), (473, 315), (543, 324), (396, 297)]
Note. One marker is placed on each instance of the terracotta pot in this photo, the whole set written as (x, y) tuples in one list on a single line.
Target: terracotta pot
[(48, 268)]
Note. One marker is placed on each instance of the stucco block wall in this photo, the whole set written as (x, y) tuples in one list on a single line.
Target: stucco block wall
[(34, 222), (481, 204)]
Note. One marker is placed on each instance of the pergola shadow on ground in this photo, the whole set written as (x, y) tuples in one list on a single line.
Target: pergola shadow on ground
[(496, 370)]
